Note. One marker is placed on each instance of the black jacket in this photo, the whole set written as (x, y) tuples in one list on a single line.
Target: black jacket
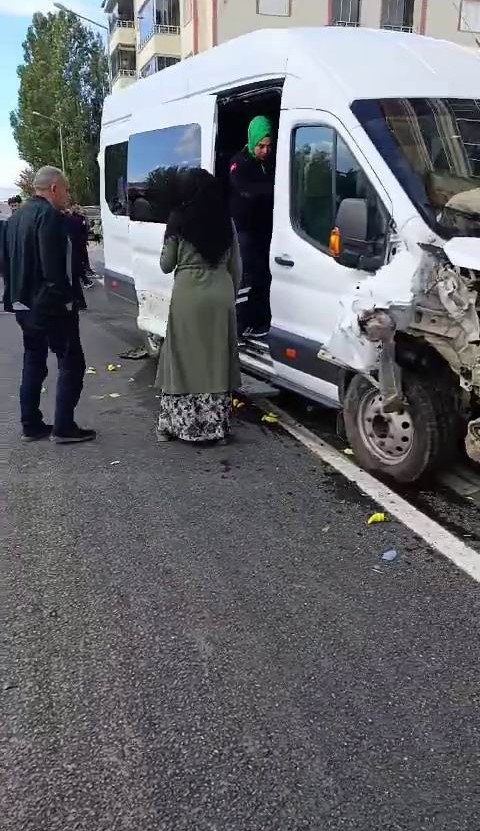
[(251, 194), (35, 260)]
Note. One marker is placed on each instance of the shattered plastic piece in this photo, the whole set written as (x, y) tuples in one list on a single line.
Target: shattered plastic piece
[(111, 367), (116, 462), (270, 418), (114, 395), (390, 556), (98, 397), (376, 518), (348, 451), (91, 371), (136, 354)]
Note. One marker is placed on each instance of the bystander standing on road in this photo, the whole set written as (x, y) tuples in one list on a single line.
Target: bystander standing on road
[(199, 366), (14, 203), (42, 290), (77, 225)]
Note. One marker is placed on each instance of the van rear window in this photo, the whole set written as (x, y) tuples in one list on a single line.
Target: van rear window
[(153, 161)]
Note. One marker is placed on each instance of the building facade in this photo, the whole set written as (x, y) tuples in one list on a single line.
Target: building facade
[(148, 35)]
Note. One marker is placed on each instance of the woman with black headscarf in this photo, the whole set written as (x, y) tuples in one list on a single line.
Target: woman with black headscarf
[(199, 367)]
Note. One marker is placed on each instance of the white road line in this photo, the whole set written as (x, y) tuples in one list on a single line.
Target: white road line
[(464, 557)]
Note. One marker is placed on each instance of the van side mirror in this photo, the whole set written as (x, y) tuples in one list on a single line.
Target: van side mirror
[(352, 222)]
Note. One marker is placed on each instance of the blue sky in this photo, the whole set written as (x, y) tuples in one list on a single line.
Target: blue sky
[(15, 17)]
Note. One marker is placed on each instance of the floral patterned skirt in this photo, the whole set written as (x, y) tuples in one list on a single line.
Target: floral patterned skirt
[(203, 417)]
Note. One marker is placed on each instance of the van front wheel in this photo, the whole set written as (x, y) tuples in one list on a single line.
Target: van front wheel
[(403, 445)]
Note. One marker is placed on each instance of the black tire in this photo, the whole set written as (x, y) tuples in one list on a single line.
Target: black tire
[(432, 436)]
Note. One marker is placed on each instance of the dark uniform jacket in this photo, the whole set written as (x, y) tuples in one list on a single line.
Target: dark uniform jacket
[(251, 195)]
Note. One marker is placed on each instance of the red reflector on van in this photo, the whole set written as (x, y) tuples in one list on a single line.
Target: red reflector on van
[(291, 354), (114, 284)]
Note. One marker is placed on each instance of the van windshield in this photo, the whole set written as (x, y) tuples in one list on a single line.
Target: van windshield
[(432, 145)]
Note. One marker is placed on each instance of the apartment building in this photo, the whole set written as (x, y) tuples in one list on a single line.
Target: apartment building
[(148, 35)]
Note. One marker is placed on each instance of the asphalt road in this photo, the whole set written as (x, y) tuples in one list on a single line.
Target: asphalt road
[(202, 639)]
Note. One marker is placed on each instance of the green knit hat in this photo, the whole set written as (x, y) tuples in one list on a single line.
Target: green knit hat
[(259, 128)]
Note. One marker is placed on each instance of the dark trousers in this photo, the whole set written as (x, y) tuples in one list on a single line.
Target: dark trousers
[(255, 311), (61, 336)]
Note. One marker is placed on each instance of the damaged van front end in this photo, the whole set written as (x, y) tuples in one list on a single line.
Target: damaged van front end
[(436, 303)]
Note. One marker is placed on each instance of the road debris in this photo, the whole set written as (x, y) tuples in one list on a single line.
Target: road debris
[(136, 354), (376, 518), (91, 371), (97, 397), (348, 451), (114, 395), (390, 556), (111, 367), (270, 418), (116, 462), (237, 404), (44, 390)]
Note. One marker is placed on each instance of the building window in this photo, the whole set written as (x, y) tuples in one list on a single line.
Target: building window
[(157, 17), (276, 8), (153, 161), (116, 178), (345, 13), (470, 16), (156, 64), (398, 15), (124, 62)]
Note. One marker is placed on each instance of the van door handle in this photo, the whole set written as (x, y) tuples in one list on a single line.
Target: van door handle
[(285, 261)]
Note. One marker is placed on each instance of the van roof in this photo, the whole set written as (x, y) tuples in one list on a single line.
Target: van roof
[(359, 63)]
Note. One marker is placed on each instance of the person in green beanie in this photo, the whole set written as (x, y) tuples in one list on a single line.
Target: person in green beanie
[(252, 178)]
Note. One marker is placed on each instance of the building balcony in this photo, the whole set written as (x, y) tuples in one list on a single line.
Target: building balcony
[(122, 34), (123, 78), (161, 40), (354, 23), (391, 27), (157, 30)]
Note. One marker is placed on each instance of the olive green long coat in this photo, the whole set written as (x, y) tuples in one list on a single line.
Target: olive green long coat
[(200, 353)]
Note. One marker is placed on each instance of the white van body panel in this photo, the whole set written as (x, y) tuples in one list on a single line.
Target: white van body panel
[(325, 71), (116, 243)]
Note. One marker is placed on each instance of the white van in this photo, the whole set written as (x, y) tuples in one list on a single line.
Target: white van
[(375, 254)]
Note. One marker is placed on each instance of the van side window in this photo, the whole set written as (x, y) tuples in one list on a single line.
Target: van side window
[(153, 160), (116, 178), (324, 173), (312, 182)]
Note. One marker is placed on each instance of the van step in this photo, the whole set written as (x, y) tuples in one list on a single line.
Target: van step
[(256, 347), (253, 388)]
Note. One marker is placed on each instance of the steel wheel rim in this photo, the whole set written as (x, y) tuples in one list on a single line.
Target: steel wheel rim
[(388, 436)]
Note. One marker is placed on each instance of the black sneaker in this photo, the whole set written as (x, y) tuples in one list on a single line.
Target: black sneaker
[(42, 432), (74, 436)]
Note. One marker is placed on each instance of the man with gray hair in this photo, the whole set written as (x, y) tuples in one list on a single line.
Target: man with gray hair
[(43, 293)]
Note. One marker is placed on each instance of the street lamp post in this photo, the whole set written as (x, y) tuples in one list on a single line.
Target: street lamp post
[(63, 8), (60, 132)]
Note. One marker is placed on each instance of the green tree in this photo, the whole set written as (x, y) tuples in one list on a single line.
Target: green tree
[(25, 180), (64, 75)]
